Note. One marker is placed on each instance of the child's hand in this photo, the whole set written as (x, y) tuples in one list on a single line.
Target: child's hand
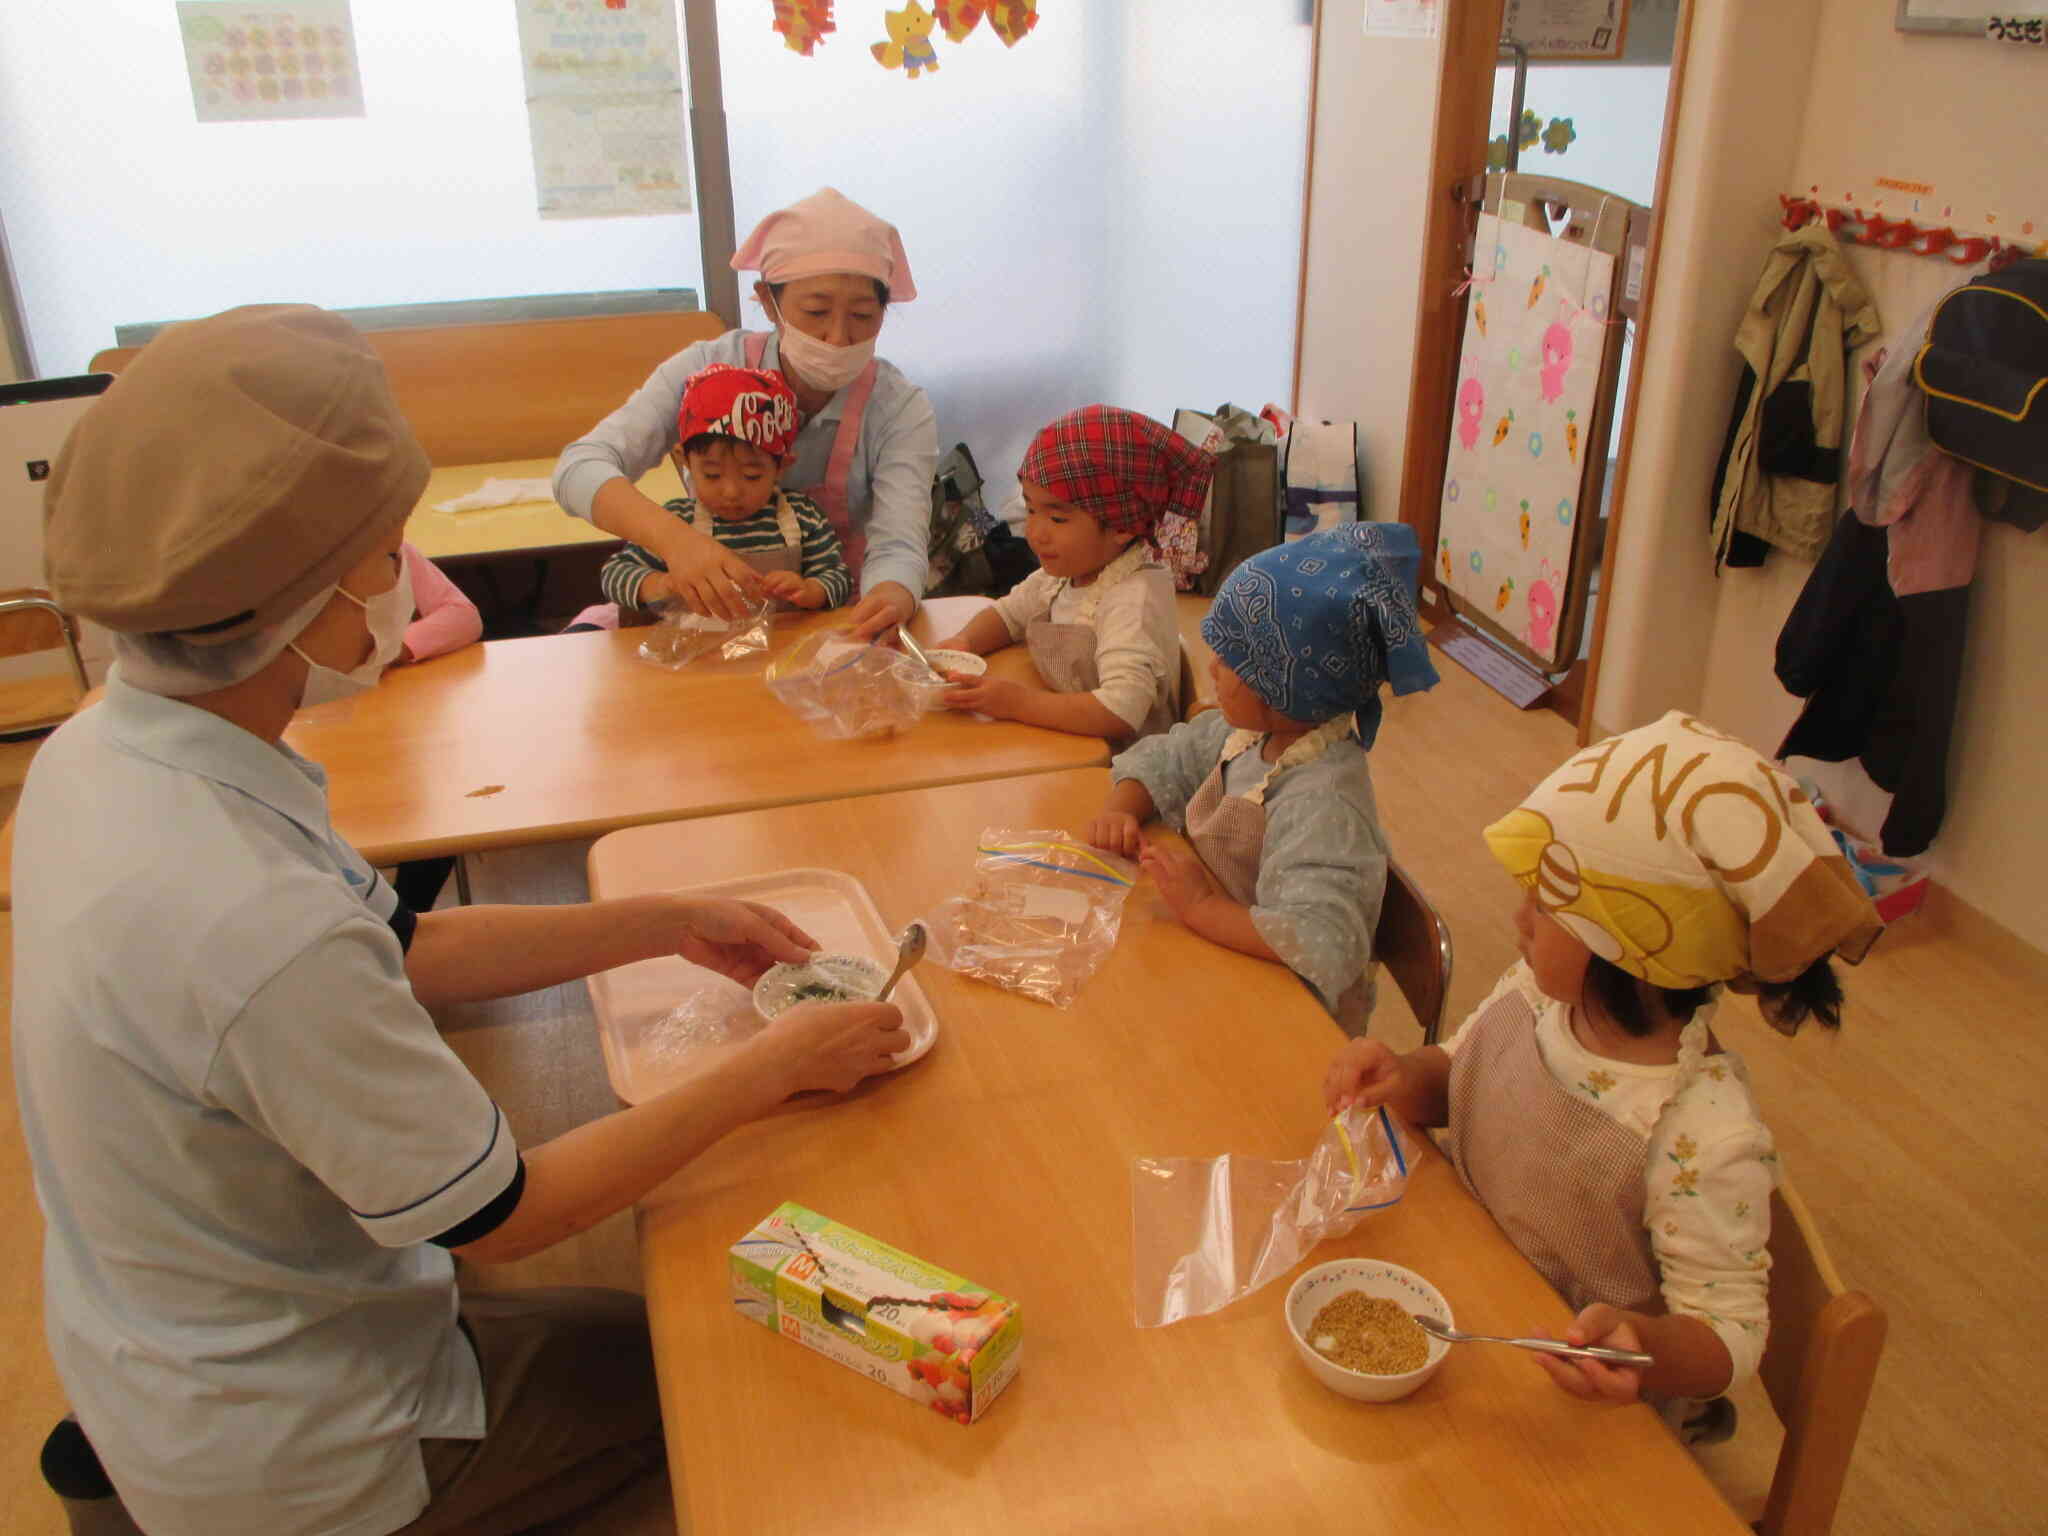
[(800, 591), (1594, 1380), (1364, 1074), (1183, 879), (1115, 830), (655, 587), (996, 697)]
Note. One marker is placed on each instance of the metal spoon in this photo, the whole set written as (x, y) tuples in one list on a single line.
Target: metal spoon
[(1600, 1352), (917, 650), (909, 950)]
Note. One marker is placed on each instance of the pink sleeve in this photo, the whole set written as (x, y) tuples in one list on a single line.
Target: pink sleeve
[(447, 620)]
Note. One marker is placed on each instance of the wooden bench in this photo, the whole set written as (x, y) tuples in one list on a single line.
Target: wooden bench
[(481, 394)]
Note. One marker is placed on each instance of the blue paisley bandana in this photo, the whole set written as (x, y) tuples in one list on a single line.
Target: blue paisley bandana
[(1314, 627)]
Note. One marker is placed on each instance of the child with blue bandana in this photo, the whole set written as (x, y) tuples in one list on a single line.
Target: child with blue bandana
[(1271, 787)]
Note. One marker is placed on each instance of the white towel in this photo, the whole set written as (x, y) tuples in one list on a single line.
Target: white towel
[(498, 493)]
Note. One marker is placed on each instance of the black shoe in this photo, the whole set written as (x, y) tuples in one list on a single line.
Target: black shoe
[(72, 1469)]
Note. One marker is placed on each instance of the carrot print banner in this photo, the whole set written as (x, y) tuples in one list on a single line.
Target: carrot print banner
[(1526, 386)]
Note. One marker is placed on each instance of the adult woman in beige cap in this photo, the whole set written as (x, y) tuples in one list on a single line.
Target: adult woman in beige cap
[(868, 443), (254, 1153)]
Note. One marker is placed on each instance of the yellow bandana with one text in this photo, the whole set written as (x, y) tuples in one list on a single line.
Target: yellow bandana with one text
[(1685, 858)]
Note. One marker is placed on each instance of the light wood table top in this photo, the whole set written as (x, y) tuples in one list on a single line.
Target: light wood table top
[(1004, 1155), (526, 527), (558, 736)]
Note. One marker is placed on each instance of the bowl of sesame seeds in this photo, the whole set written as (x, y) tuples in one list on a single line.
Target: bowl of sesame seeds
[(1353, 1324)]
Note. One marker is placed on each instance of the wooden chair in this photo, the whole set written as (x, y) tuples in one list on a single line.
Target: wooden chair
[(488, 393), (1414, 943), (1817, 1370), (1190, 704), (31, 621)]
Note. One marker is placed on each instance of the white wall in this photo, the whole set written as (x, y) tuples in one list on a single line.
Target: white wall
[(1084, 222), (1780, 102), (1368, 195), (122, 208)]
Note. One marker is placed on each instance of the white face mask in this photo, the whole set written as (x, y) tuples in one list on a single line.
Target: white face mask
[(818, 363), (387, 614)]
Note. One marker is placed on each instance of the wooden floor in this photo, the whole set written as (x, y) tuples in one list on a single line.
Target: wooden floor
[(1916, 1135)]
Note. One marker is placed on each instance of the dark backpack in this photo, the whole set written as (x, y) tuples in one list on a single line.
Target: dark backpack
[(1984, 368)]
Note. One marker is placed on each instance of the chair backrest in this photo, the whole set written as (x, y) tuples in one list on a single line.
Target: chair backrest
[(1190, 705), (1414, 943), (482, 394), (31, 621), (1817, 1369)]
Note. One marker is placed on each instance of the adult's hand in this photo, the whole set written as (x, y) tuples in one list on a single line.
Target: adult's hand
[(739, 939), (876, 616), (834, 1045), (706, 577)]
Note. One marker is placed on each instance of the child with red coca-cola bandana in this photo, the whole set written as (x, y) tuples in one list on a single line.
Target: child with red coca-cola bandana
[(735, 432)]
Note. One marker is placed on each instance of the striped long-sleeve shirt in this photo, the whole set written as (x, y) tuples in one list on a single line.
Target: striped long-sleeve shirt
[(822, 558)]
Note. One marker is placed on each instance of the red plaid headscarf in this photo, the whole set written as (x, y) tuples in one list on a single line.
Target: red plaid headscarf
[(751, 404), (1123, 469)]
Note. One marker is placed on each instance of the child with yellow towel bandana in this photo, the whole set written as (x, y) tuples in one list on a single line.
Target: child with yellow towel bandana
[(1589, 1108)]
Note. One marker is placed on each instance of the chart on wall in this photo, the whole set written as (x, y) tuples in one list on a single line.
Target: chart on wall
[(1534, 329), (261, 63), (604, 100)]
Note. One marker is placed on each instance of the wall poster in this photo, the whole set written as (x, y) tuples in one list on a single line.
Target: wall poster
[(266, 62), (604, 100)]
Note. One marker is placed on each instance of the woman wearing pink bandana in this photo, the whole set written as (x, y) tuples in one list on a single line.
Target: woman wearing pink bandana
[(866, 444)]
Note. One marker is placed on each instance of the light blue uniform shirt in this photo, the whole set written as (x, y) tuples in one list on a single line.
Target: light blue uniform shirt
[(888, 485), (243, 1127)]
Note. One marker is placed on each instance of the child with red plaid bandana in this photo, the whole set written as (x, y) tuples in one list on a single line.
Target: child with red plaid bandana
[(1098, 614), (735, 432)]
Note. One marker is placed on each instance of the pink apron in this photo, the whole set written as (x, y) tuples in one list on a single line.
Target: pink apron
[(1563, 1180), (1229, 834), (830, 493)]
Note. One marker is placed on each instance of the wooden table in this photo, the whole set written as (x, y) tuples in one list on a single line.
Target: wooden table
[(1004, 1155), (532, 741), (534, 527)]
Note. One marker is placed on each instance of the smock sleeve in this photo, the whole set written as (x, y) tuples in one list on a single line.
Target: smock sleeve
[(1030, 599), (905, 457), (1137, 646), (1707, 1204), (1173, 764), (634, 438), (1322, 876)]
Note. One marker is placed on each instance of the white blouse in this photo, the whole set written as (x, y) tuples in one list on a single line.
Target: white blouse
[(1709, 1173)]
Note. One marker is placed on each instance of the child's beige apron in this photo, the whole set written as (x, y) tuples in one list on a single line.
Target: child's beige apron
[(1064, 653), (1229, 833), (790, 557), (1563, 1180)]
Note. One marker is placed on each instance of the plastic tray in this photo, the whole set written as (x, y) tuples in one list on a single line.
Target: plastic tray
[(830, 905)]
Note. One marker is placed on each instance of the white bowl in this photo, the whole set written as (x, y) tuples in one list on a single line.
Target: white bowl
[(957, 661), (931, 691), (1320, 1286), (856, 976)]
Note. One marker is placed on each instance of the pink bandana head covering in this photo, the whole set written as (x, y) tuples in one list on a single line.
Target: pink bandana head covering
[(1122, 469), (755, 405), (827, 233)]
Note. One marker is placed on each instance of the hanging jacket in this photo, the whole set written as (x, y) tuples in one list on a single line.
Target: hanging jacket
[(1775, 484), (1880, 674)]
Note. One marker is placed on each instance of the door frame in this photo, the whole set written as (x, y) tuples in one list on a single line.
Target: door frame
[(1457, 162)]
